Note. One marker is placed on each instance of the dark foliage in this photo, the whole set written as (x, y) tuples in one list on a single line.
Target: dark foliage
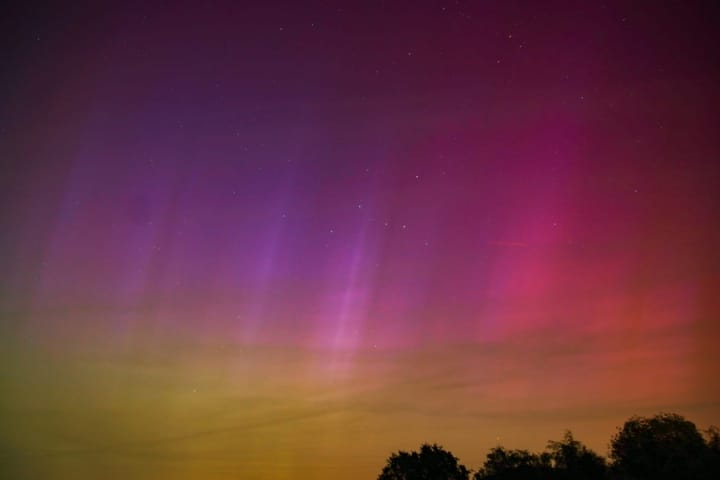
[(564, 459), (431, 463), (572, 459), (502, 464), (663, 447), (712, 436)]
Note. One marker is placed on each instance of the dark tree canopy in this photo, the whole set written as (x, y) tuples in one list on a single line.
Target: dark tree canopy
[(563, 460), (712, 436), (662, 447), (503, 464), (572, 459), (665, 446), (433, 462)]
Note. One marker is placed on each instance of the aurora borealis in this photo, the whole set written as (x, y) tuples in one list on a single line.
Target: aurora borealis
[(281, 240)]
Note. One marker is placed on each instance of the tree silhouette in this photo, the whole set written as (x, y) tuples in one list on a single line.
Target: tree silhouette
[(433, 462), (563, 460), (713, 438), (503, 464), (662, 447), (665, 446), (712, 435), (572, 459)]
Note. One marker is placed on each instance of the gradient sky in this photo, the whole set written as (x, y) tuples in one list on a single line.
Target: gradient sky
[(284, 240)]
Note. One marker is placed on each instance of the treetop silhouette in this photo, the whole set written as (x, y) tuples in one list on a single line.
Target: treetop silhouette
[(432, 462), (662, 447)]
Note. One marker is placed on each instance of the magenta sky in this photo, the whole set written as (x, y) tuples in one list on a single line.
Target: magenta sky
[(276, 241)]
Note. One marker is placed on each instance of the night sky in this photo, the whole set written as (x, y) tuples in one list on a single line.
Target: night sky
[(281, 241)]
